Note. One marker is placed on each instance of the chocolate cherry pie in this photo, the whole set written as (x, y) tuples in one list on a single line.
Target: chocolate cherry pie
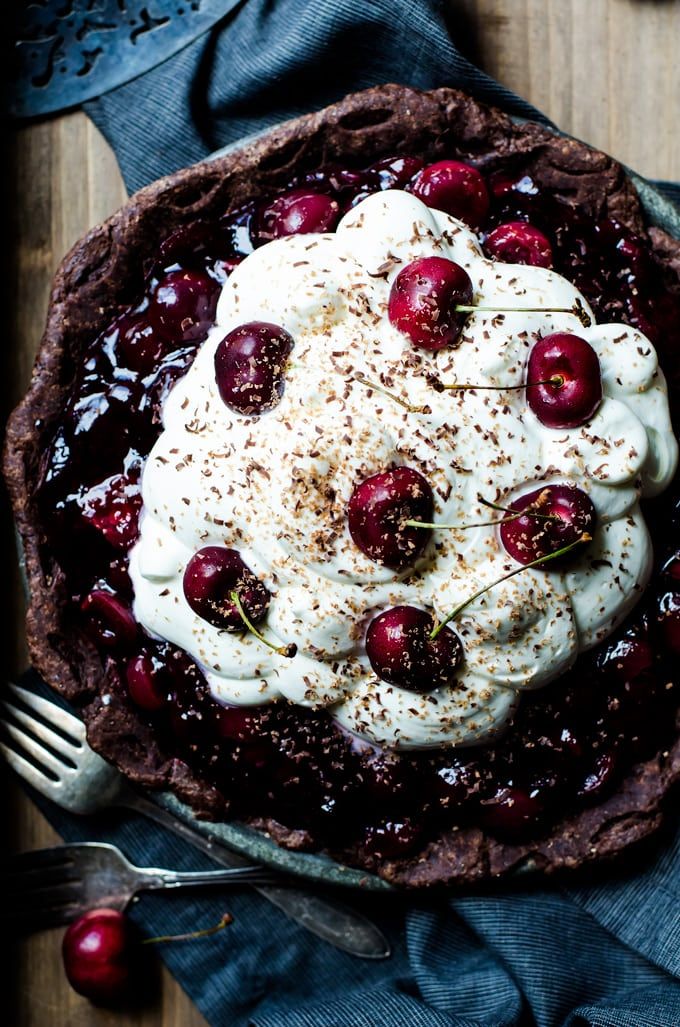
[(337, 480)]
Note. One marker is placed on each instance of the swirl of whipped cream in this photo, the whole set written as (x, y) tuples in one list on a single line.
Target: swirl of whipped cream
[(276, 487)]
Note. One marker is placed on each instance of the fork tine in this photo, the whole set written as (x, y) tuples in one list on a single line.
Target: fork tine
[(52, 713), (39, 859), (36, 778), (48, 899), (27, 923), (38, 752), (36, 727)]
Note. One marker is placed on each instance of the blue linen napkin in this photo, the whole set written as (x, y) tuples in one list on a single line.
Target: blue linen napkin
[(606, 953)]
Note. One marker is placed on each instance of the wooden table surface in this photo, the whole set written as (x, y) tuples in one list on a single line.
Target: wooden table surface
[(603, 70)]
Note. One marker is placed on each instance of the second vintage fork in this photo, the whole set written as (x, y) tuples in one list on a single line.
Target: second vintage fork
[(50, 751), (48, 887)]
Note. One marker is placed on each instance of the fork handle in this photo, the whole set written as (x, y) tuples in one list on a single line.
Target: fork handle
[(156, 879), (334, 922)]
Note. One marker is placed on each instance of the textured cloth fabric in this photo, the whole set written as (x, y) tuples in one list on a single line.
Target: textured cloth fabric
[(605, 953), (274, 59)]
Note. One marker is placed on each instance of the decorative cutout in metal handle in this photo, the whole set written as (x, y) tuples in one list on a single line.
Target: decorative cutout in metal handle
[(69, 51)]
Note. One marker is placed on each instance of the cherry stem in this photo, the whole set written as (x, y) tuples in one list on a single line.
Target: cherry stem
[(514, 514), (477, 524), (283, 650), (468, 309), (557, 380), (162, 938), (411, 407), (531, 510), (585, 537), (577, 310)]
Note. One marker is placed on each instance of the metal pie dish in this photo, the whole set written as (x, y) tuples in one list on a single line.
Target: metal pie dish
[(317, 867)]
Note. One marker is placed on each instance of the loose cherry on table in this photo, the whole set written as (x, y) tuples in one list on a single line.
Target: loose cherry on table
[(97, 951), (551, 517), (182, 306), (401, 650), (250, 364), (298, 212), (517, 242), (378, 511), (102, 954), (456, 188), (211, 576)]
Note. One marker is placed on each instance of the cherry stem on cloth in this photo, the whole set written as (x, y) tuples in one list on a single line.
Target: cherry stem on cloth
[(162, 938), (283, 650), (585, 537)]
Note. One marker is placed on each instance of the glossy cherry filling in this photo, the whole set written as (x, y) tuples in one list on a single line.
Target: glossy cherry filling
[(570, 743)]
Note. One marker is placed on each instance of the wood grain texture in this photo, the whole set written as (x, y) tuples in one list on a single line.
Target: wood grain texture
[(603, 70)]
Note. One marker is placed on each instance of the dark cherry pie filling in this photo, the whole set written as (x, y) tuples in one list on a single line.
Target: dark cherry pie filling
[(570, 743)]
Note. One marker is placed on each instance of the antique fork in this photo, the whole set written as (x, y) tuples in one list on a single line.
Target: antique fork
[(53, 886), (62, 766)]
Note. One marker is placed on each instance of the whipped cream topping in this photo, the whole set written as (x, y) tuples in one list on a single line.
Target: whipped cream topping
[(276, 487)]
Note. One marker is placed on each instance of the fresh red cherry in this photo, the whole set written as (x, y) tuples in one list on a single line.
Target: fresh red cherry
[(139, 345), (297, 213), (517, 242), (210, 577), (456, 188), (250, 364), (97, 952), (423, 301), (400, 650), (571, 389), (556, 516), (148, 682), (110, 621), (378, 509), (182, 306), (113, 507)]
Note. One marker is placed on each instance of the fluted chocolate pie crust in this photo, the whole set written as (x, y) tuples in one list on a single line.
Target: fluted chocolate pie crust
[(101, 276)]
